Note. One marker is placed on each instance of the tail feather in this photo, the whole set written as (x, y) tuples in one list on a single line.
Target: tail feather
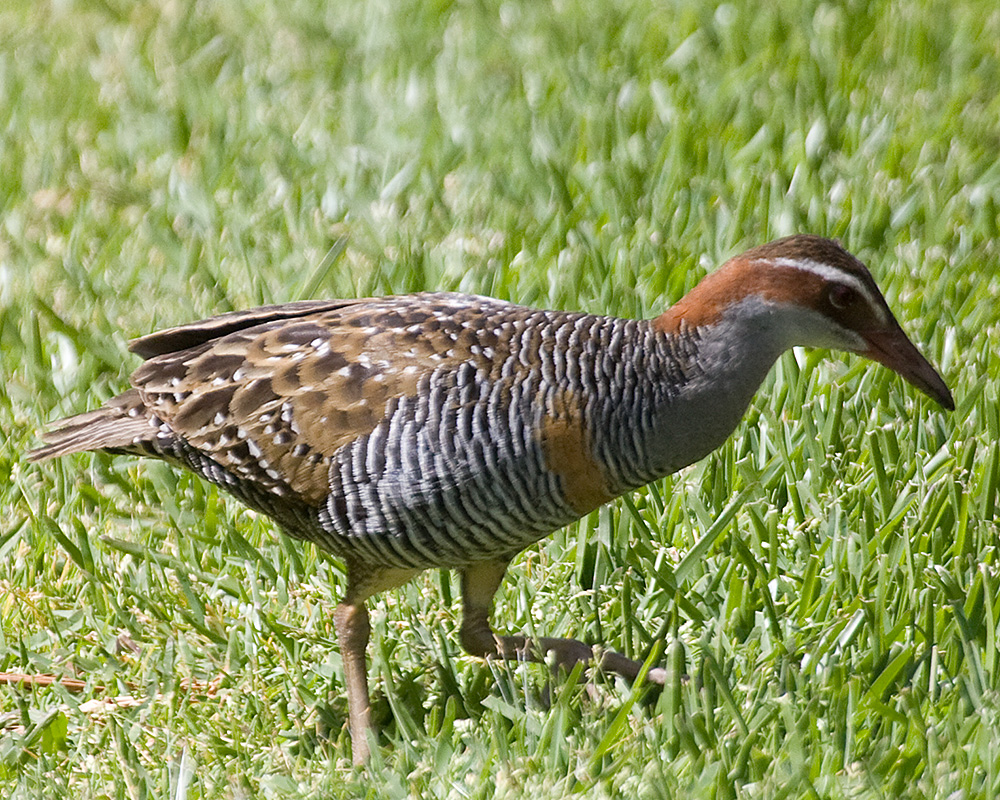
[(117, 427)]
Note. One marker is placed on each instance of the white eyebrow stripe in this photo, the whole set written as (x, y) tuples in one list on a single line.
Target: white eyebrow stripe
[(829, 273)]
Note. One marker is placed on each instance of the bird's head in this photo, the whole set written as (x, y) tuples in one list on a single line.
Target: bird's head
[(809, 291)]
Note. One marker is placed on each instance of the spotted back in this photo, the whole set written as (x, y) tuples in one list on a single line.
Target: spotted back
[(425, 429), (274, 401)]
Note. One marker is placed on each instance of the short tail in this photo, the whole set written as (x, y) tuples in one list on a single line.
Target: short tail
[(117, 427)]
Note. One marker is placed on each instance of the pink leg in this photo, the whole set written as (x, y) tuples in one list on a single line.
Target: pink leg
[(479, 584), (353, 629)]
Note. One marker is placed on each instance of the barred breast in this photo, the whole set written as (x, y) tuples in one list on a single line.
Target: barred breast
[(416, 431)]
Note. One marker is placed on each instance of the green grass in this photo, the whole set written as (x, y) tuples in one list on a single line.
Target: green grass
[(825, 587)]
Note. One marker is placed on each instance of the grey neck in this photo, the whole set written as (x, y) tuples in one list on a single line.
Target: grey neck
[(733, 360), (694, 390)]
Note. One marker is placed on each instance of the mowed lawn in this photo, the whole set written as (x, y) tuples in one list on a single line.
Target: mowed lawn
[(824, 589)]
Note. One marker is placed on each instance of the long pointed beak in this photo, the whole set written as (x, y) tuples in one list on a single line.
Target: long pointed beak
[(891, 348)]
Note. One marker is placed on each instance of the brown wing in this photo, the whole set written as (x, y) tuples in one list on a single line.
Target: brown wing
[(282, 389), (193, 334)]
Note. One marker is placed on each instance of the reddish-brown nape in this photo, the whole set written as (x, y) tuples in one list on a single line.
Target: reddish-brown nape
[(736, 279), (770, 272)]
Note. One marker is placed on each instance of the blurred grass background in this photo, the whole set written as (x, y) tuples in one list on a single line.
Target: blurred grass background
[(825, 585)]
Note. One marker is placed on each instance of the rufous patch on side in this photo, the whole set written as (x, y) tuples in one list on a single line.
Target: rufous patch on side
[(568, 455)]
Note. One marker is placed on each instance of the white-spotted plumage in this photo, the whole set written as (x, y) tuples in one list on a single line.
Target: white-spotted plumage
[(445, 430)]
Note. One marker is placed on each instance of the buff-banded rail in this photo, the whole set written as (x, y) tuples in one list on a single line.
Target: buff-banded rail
[(452, 431)]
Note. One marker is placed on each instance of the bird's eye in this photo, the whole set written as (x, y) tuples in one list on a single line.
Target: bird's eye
[(842, 296)]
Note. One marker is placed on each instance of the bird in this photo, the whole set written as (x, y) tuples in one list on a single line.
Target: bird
[(444, 430)]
